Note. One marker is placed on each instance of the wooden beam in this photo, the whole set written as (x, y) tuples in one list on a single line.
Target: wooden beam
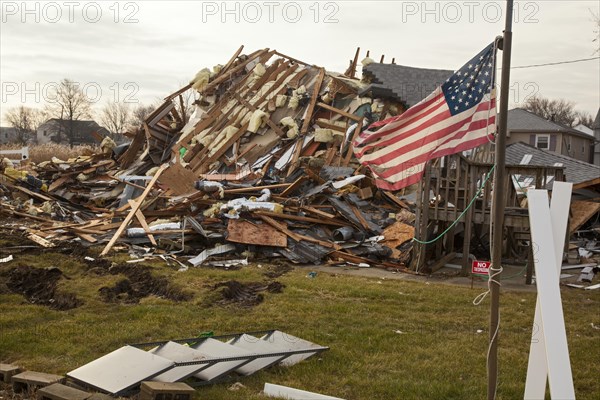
[(202, 166), (354, 63), (291, 59), (313, 101), (293, 163), (338, 111), (252, 108), (133, 211), (257, 188), (396, 200), (142, 220), (300, 218), (232, 59), (223, 77), (319, 213), (293, 186), (327, 125), (280, 227)]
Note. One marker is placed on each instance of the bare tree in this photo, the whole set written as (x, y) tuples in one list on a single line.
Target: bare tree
[(184, 104), (139, 114), (115, 117), (560, 111), (40, 116), (584, 118), (25, 121), (68, 103)]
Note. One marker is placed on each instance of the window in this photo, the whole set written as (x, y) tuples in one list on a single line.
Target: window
[(569, 147), (45, 133), (542, 142)]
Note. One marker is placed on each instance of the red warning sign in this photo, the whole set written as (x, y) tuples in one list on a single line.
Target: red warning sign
[(481, 267)]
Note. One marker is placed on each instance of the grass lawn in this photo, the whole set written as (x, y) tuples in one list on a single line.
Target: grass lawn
[(388, 339)]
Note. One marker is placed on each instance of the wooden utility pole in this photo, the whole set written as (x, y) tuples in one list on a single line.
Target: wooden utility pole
[(499, 200)]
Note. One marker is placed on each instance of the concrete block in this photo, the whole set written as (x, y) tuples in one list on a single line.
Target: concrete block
[(58, 391), (7, 371), (100, 396), (30, 380), (165, 391)]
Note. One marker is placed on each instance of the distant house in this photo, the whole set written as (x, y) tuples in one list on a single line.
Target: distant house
[(576, 171), (527, 127), (596, 128), (584, 129), (58, 130), (7, 134)]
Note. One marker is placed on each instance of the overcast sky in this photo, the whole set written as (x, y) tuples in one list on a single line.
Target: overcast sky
[(144, 50)]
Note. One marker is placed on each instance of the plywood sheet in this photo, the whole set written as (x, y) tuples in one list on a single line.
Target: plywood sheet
[(179, 179), (396, 234), (242, 231), (581, 212)]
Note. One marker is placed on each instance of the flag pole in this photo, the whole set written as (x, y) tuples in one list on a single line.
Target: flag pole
[(499, 200)]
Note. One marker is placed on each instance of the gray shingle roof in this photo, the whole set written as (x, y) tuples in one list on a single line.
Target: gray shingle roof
[(523, 120), (596, 124), (576, 171), (409, 85)]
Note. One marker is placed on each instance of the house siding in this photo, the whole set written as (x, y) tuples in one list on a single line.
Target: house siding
[(580, 147)]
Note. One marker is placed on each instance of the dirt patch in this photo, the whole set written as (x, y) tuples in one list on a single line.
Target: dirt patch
[(245, 294), (38, 285), (140, 283), (278, 269)]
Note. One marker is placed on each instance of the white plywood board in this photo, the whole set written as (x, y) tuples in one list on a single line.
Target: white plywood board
[(178, 353), (289, 342), (285, 392), (120, 370), (217, 349), (537, 369), (551, 314), (257, 346)]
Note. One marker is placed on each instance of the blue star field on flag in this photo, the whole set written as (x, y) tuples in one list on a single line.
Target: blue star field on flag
[(469, 84)]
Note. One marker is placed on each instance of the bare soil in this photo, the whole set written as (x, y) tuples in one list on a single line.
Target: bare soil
[(245, 294), (38, 286), (139, 283)]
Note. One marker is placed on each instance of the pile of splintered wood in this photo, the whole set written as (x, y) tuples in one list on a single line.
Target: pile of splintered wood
[(262, 167)]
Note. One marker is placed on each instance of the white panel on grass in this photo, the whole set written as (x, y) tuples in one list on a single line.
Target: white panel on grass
[(217, 349), (290, 342), (285, 392), (120, 370), (179, 353), (256, 346)]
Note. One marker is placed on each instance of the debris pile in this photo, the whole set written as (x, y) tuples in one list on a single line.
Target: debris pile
[(262, 167)]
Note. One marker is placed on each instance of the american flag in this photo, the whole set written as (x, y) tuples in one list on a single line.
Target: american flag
[(459, 115)]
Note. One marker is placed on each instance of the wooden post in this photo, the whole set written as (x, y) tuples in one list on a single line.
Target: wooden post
[(133, 211), (498, 207)]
